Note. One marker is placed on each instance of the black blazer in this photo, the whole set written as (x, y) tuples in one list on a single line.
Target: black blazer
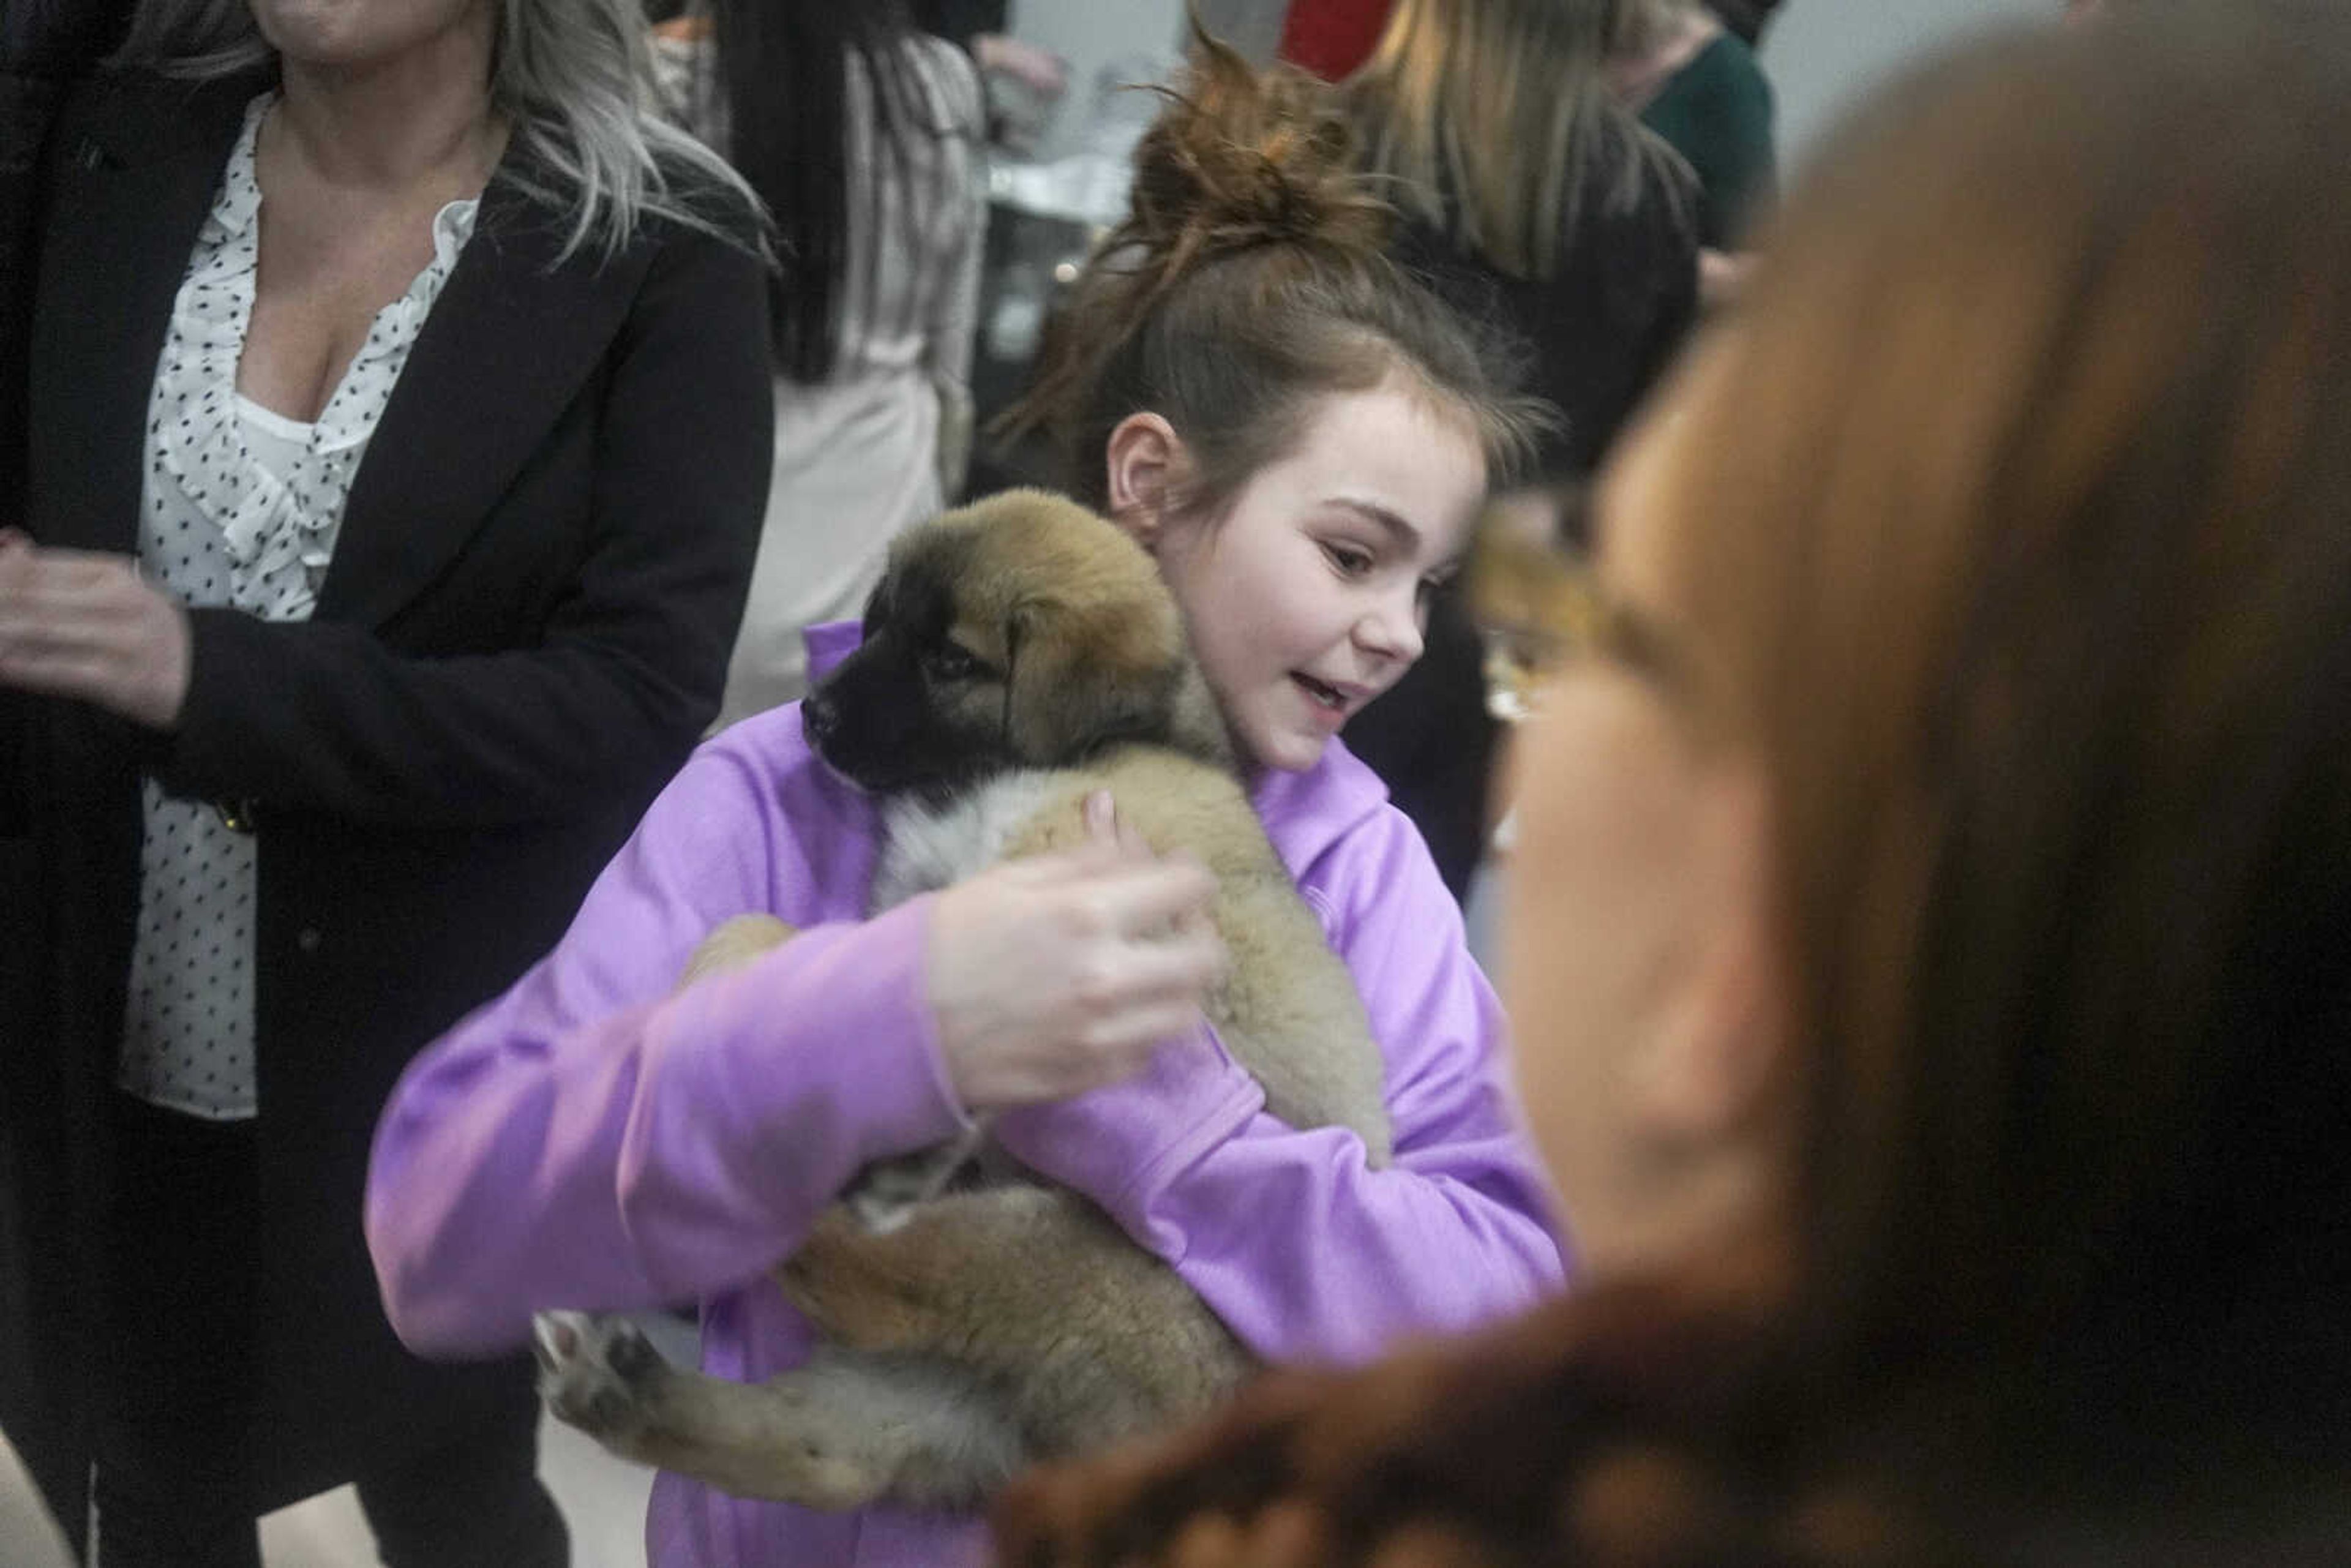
[(524, 629)]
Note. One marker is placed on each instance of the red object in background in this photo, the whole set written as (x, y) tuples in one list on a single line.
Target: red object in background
[(1332, 37)]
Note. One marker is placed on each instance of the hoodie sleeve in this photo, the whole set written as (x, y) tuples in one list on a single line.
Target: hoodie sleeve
[(597, 1139), (1305, 1252)]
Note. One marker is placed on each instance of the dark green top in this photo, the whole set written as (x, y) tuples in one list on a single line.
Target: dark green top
[(1716, 111)]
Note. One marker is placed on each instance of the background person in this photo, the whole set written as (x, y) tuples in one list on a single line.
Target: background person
[(1301, 437), (397, 436), (1696, 85), (1930, 968), (863, 137), (1531, 197)]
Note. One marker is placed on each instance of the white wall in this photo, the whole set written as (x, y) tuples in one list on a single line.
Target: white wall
[(1093, 35), (1823, 56)]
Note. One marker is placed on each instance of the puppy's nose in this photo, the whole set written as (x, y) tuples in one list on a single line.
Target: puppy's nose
[(818, 719)]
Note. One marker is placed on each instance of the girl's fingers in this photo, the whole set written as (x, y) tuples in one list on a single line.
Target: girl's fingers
[(1107, 826), (1145, 900), (1179, 968), (1123, 1050)]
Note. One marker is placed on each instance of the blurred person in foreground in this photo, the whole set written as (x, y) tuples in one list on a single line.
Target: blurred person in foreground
[(1929, 956)]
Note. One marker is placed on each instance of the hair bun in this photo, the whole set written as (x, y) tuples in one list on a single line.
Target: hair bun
[(1240, 157), (1242, 165)]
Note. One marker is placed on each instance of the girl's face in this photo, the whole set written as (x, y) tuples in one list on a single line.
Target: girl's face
[(1306, 599)]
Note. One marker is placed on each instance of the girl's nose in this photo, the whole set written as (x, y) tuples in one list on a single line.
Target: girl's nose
[(1392, 627)]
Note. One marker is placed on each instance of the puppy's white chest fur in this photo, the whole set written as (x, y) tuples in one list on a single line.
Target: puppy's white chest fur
[(925, 848)]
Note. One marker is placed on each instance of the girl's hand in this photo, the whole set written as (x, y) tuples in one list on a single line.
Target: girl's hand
[(78, 624), (1052, 976)]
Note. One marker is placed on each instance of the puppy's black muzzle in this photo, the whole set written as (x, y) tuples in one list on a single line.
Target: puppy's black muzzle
[(820, 717)]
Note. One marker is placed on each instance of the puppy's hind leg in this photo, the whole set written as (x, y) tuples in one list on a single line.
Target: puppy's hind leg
[(840, 1432), (1091, 1338)]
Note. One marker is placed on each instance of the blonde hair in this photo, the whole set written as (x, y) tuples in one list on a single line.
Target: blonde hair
[(1496, 121)]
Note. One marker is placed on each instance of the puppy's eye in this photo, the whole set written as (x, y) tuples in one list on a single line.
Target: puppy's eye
[(950, 662)]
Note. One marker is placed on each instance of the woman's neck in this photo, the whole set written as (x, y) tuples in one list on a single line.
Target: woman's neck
[(422, 116)]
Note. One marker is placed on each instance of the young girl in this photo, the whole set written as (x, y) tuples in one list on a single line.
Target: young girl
[(1302, 438)]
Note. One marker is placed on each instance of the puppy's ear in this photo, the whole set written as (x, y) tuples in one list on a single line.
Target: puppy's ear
[(1076, 677)]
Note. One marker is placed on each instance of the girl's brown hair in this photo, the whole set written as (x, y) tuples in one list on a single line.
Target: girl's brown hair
[(1249, 277), (2013, 535)]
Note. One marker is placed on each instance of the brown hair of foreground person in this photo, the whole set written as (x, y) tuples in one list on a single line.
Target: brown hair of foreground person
[(2010, 537)]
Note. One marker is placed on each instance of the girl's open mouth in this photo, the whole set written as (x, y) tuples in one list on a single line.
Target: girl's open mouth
[(1327, 696)]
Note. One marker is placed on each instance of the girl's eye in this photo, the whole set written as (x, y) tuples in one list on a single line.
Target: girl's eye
[(950, 662), (1350, 561)]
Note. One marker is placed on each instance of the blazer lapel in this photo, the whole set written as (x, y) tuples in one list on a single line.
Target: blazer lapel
[(134, 181), (513, 335)]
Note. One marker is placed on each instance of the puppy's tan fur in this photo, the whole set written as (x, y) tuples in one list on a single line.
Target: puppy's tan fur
[(1014, 1322)]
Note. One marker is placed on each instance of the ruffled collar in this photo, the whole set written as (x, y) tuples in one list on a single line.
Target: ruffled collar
[(279, 527)]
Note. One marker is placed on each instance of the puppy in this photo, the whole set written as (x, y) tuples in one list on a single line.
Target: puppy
[(1018, 656)]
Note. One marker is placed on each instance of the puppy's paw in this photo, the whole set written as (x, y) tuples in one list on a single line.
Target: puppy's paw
[(599, 1374)]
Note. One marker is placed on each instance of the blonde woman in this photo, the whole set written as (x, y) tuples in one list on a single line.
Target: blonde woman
[(1532, 197), (398, 432)]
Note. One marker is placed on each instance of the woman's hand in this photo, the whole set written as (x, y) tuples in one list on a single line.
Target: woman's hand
[(1041, 71), (74, 623), (1055, 974)]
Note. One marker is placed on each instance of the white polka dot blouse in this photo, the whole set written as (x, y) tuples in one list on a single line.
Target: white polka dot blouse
[(240, 508)]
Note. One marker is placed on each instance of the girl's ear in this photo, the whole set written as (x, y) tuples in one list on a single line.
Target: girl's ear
[(1141, 463)]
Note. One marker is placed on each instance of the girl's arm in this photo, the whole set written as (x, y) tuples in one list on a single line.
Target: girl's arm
[(1306, 1252), (597, 1139), (594, 1139)]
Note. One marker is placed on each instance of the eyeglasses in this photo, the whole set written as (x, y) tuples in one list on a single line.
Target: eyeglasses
[(1537, 607)]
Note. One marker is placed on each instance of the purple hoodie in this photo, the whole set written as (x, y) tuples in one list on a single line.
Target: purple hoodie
[(593, 1140)]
